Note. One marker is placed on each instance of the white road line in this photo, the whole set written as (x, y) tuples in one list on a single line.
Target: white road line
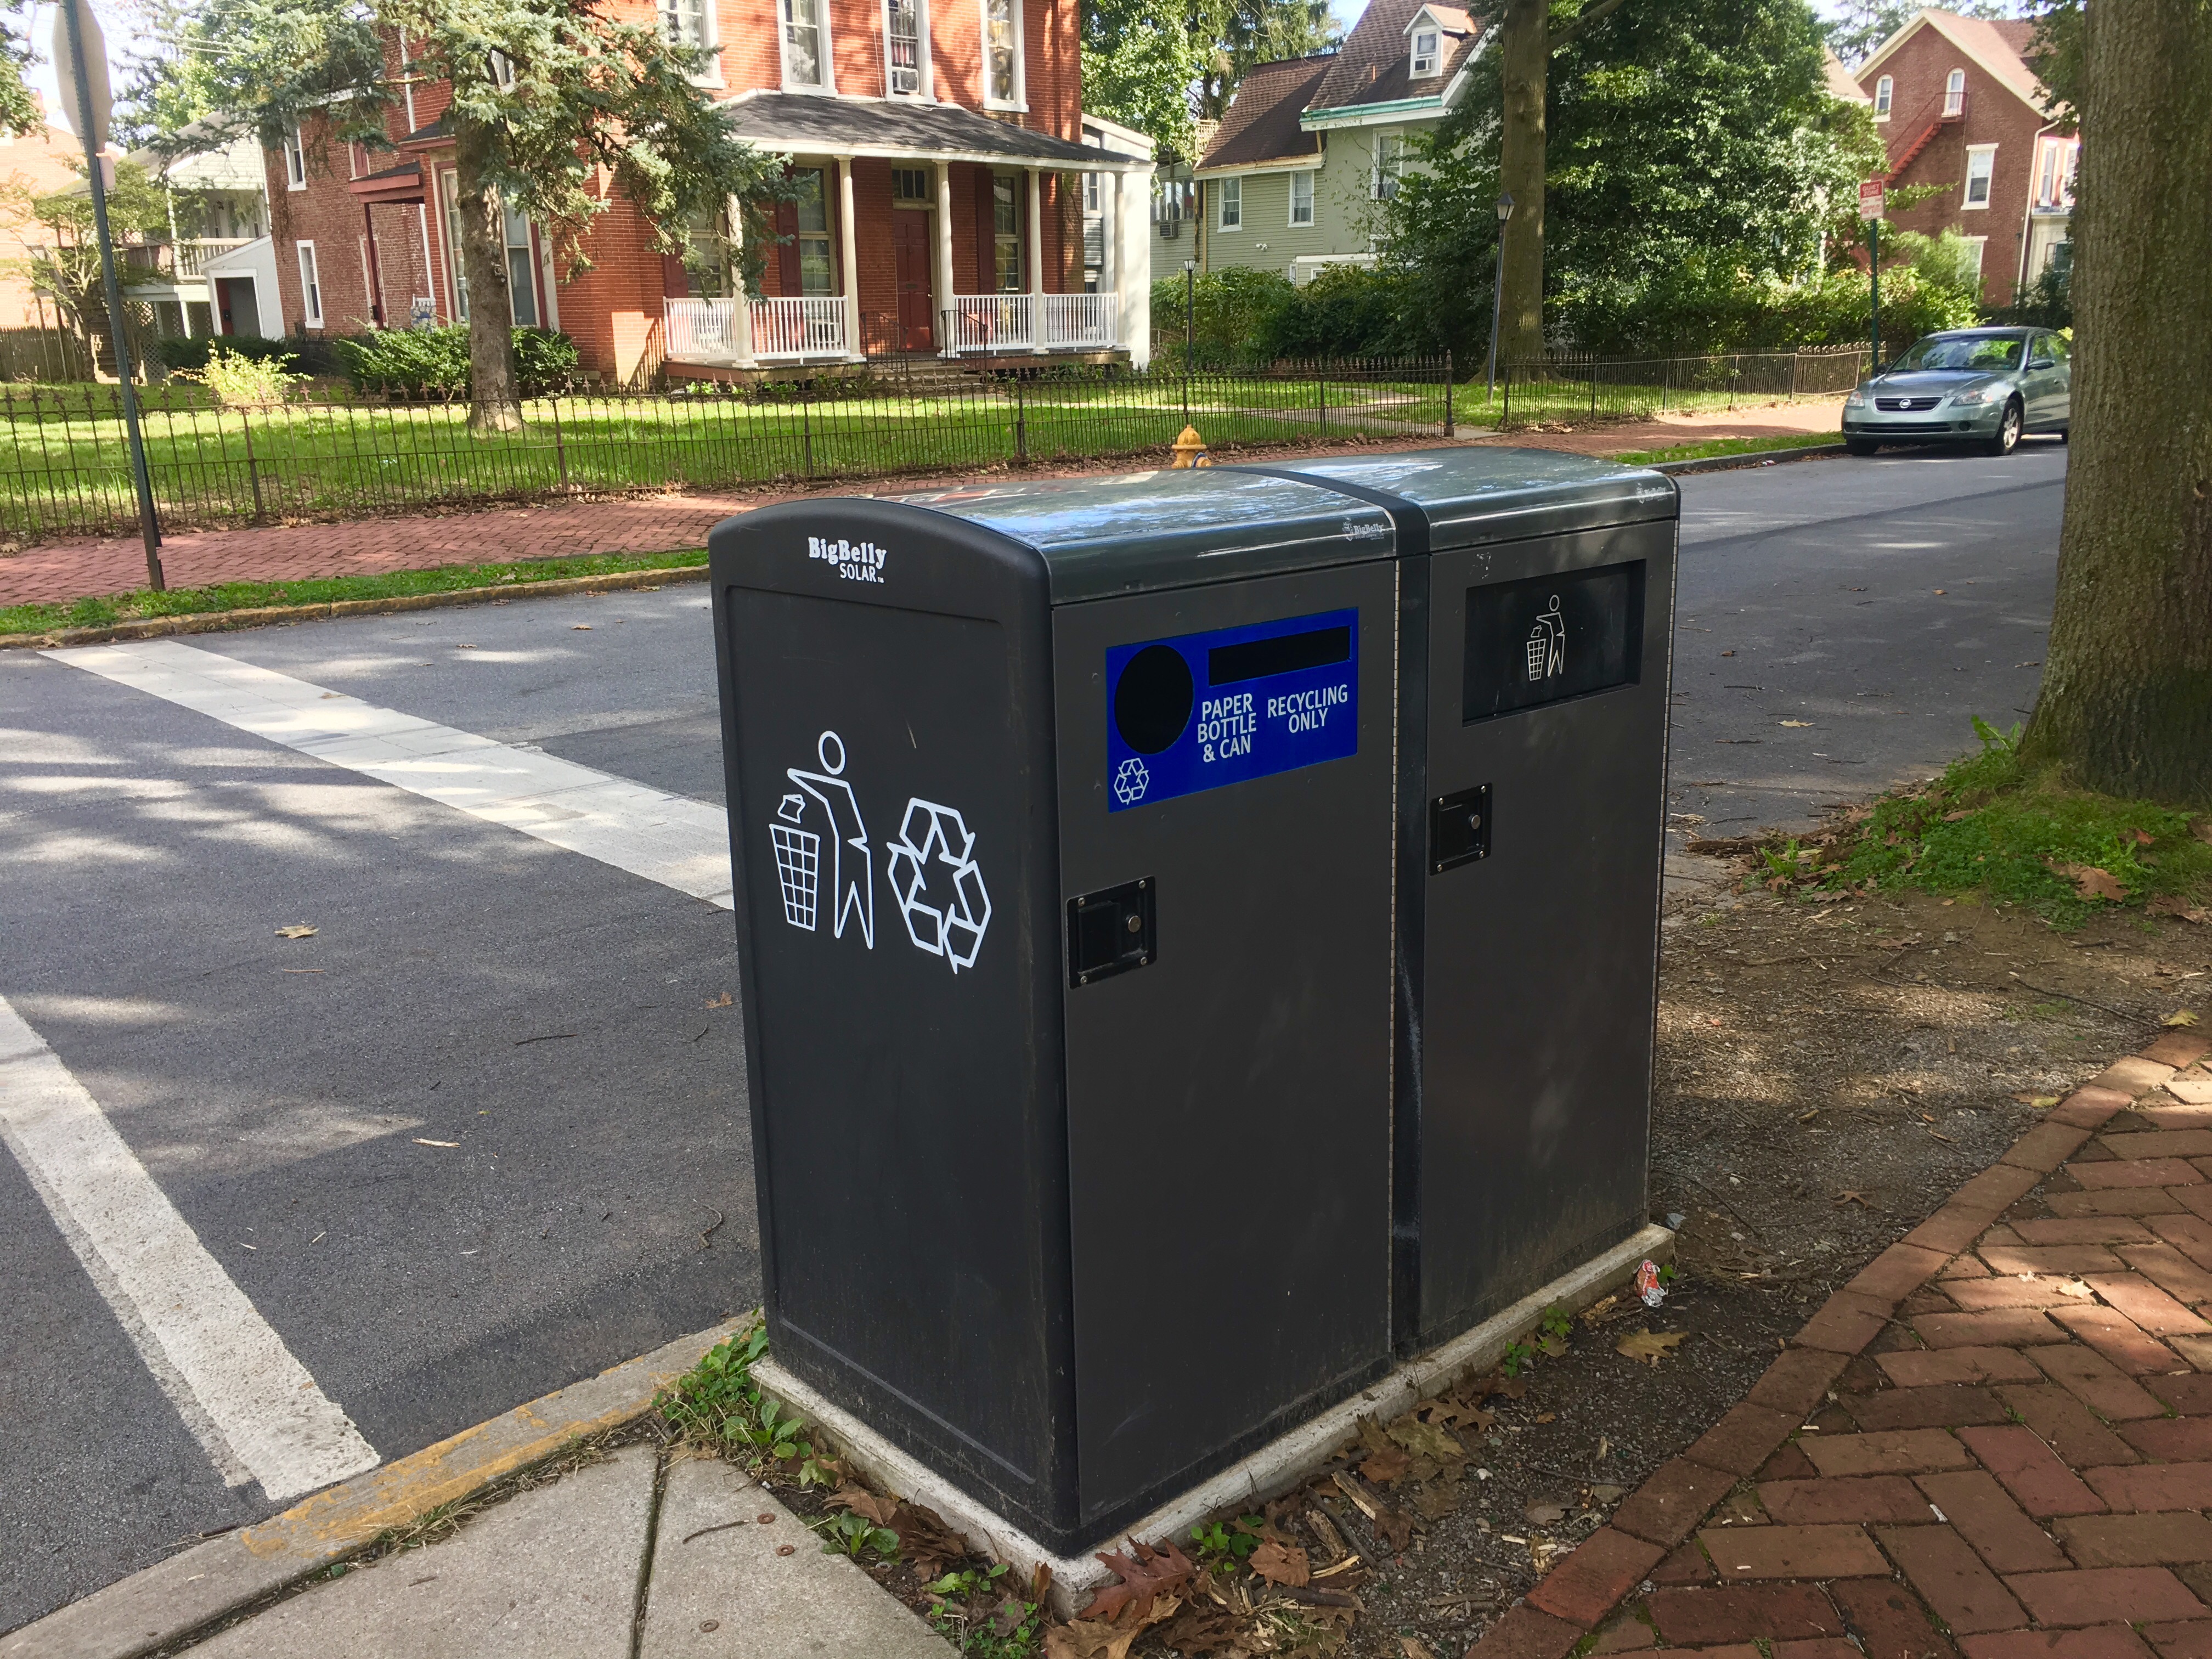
[(245, 1399), (672, 838)]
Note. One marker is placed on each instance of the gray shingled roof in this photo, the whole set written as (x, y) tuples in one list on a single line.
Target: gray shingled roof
[(1372, 65), (801, 123), (1263, 123)]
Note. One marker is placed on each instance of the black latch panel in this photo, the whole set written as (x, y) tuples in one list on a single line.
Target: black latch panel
[(1459, 828), (1110, 931)]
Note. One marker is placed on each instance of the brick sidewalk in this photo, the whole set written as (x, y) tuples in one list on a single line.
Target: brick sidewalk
[(1995, 1442), (59, 573)]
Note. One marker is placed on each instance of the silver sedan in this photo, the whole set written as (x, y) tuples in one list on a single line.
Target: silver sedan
[(1979, 387)]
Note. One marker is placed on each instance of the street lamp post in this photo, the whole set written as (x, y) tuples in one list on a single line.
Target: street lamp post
[(1189, 330), (1498, 289)]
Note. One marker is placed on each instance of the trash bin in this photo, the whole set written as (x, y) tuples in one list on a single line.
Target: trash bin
[(1063, 823), (1537, 614)]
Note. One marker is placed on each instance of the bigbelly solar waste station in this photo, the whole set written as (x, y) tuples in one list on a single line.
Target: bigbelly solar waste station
[(1198, 935)]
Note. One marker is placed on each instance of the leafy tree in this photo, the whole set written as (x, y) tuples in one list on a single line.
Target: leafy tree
[(66, 266), (2126, 703), (1159, 69), (550, 97), (1684, 141), (19, 111)]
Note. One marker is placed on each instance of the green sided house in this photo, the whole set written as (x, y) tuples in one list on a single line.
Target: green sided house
[(1311, 147)]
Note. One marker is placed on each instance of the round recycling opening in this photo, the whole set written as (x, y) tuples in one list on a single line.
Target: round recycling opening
[(1152, 699)]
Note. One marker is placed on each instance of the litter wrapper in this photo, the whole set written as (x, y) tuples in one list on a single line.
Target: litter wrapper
[(1648, 1285)]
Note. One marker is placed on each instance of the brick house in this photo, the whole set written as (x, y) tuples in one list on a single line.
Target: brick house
[(939, 147), (1959, 107)]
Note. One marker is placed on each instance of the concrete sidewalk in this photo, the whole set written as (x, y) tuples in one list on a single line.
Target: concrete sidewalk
[(59, 573)]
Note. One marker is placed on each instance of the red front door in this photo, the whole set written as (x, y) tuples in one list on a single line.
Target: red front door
[(910, 255)]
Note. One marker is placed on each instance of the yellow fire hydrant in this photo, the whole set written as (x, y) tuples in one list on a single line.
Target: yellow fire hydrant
[(1190, 450)]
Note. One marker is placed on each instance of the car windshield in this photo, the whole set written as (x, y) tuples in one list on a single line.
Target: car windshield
[(1989, 353)]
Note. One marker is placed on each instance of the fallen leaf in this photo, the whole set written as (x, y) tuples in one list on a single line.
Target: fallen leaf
[(721, 1001), (2166, 904), (1544, 1513), (1091, 1638), (1853, 1196), (1387, 1466), (2075, 1287), (2089, 882), (1414, 1648), (1963, 813), (1428, 1439), (1282, 1563), (2142, 837), (1942, 591), (1797, 722), (419, 1141), (1145, 1575), (1437, 1499), (863, 1502), (2037, 1100), (1650, 1346), (297, 930), (1547, 1417), (2180, 1016), (1202, 1629), (580, 627)]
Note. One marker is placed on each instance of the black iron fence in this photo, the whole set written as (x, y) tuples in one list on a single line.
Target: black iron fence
[(64, 468)]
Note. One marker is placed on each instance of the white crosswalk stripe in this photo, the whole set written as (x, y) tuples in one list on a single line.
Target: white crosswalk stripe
[(238, 1387), (670, 838)]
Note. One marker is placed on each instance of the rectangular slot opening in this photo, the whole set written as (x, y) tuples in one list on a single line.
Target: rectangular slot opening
[(1285, 653), (1544, 638)]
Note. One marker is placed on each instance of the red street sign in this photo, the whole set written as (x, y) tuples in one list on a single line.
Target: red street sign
[(1870, 198)]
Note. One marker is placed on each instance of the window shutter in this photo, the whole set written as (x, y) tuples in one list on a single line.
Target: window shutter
[(675, 280), (986, 236), (787, 250)]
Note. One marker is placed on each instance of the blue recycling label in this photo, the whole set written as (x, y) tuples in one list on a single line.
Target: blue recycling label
[(1202, 710)]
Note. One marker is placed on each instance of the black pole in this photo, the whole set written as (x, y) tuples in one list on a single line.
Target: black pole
[(1496, 311), (1190, 332), (150, 528), (1873, 270)]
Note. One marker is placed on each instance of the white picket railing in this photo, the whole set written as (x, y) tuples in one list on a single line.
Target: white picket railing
[(811, 325), (1078, 321), (992, 322), (1018, 322), (194, 253), (701, 331)]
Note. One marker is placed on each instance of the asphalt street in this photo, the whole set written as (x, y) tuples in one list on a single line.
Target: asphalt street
[(481, 1134)]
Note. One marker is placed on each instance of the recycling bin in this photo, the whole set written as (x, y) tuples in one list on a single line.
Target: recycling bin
[(1063, 822), (1537, 618)]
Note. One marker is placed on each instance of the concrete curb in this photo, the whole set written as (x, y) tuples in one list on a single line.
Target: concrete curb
[(1274, 1468), (217, 622), (195, 1587), (1755, 457)]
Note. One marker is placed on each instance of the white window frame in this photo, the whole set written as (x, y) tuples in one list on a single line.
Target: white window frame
[(710, 38), (1424, 64), (502, 70), (1229, 204), (311, 285), (1955, 93), (826, 56), (1980, 245), (925, 73), (295, 160), (2054, 175), (1884, 95), (1389, 165), (1020, 99), (1301, 176), (1987, 155)]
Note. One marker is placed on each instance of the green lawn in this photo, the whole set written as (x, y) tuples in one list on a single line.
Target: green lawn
[(1718, 447), (241, 596)]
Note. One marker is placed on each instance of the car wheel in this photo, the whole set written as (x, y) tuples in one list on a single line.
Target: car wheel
[(1860, 446), (2008, 425)]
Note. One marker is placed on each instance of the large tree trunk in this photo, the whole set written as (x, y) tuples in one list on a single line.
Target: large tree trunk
[(1522, 69), (2126, 705), (494, 404)]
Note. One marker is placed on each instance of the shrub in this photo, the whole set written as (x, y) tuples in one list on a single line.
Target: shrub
[(434, 362), (240, 381), (179, 351), (1349, 310), (1235, 312)]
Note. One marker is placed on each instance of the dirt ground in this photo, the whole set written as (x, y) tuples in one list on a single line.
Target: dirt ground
[(1828, 1074)]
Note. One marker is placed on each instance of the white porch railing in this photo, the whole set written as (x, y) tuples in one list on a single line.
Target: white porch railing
[(812, 325), (194, 253), (1018, 322), (705, 331)]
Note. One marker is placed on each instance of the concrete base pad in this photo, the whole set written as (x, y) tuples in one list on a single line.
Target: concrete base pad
[(1273, 1469)]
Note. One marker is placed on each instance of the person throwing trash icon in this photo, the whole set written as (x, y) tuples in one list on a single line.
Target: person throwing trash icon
[(851, 864)]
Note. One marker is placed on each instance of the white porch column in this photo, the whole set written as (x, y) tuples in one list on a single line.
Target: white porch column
[(942, 323), (1132, 264), (850, 241), (1036, 259), (741, 318)]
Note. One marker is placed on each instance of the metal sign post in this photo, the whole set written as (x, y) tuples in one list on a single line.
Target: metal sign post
[(78, 45), (1871, 207)]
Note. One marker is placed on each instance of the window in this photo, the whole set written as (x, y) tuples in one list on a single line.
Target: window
[(502, 71), (296, 160), (1091, 194), (521, 283), (1389, 161), (804, 62), (911, 184), (1977, 243), (818, 272), (2054, 178), (1981, 167), (1002, 52), (1171, 205), (1885, 91), (449, 191), (311, 287), (1955, 93), (1006, 231), (1424, 51), (683, 22), (905, 36), (1302, 198), (1231, 191)]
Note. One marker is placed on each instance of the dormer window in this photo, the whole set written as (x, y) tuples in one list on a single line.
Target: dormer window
[(1425, 43)]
